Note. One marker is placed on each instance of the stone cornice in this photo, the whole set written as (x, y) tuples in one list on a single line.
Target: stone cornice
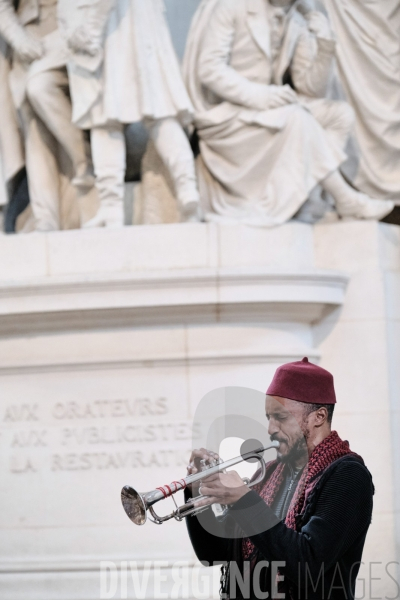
[(168, 296)]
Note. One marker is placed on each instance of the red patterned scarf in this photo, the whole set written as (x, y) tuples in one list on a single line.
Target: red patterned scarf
[(329, 450)]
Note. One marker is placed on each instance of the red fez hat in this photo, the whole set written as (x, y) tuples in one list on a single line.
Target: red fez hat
[(304, 382)]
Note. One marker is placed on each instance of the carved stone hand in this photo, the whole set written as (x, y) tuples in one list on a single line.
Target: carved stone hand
[(28, 48), (280, 95), (81, 41)]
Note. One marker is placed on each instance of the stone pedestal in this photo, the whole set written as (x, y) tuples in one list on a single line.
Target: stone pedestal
[(108, 341)]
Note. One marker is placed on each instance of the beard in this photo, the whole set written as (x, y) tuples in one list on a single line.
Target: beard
[(298, 450)]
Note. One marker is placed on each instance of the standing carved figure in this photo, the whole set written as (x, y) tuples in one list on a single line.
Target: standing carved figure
[(124, 70), (39, 84), (368, 56), (257, 72), (11, 148)]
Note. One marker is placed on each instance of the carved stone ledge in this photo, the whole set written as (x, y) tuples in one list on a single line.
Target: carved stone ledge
[(169, 297)]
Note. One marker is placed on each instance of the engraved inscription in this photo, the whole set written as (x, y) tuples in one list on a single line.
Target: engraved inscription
[(118, 460), (21, 465), (153, 432), (106, 409), (93, 435), (29, 439), (21, 412)]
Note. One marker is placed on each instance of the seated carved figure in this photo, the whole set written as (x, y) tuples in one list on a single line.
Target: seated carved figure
[(257, 73)]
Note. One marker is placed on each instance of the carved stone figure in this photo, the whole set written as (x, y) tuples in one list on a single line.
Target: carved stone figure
[(11, 150), (55, 148), (369, 73), (257, 73), (123, 70)]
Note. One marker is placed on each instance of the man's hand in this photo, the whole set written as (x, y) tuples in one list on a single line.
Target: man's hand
[(319, 25), (198, 455), (222, 488), (81, 41), (194, 465), (281, 95), (27, 48)]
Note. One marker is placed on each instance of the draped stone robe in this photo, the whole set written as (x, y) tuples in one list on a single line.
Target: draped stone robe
[(257, 165), (136, 76)]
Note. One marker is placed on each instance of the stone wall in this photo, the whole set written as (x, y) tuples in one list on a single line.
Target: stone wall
[(108, 341)]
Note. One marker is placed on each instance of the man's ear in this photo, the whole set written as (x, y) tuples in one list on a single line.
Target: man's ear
[(321, 416)]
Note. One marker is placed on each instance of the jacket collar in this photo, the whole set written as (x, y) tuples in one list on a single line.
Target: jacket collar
[(258, 25)]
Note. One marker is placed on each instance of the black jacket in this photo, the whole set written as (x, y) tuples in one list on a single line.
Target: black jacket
[(322, 557)]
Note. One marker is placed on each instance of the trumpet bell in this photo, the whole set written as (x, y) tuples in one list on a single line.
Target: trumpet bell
[(134, 505)]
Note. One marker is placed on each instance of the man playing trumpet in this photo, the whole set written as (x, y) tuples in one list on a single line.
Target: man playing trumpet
[(311, 513)]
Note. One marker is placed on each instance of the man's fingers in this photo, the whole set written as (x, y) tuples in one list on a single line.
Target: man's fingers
[(211, 478), (225, 489), (217, 485), (206, 490), (198, 455), (216, 479), (205, 502), (214, 492), (201, 453)]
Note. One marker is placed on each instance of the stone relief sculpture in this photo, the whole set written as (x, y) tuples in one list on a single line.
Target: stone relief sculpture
[(55, 148), (11, 148), (257, 73), (124, 70), (374, 91)]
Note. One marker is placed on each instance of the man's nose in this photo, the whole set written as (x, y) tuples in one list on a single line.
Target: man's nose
[(272, 427)]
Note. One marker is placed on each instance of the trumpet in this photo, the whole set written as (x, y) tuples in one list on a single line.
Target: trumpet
[(137, 505)]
